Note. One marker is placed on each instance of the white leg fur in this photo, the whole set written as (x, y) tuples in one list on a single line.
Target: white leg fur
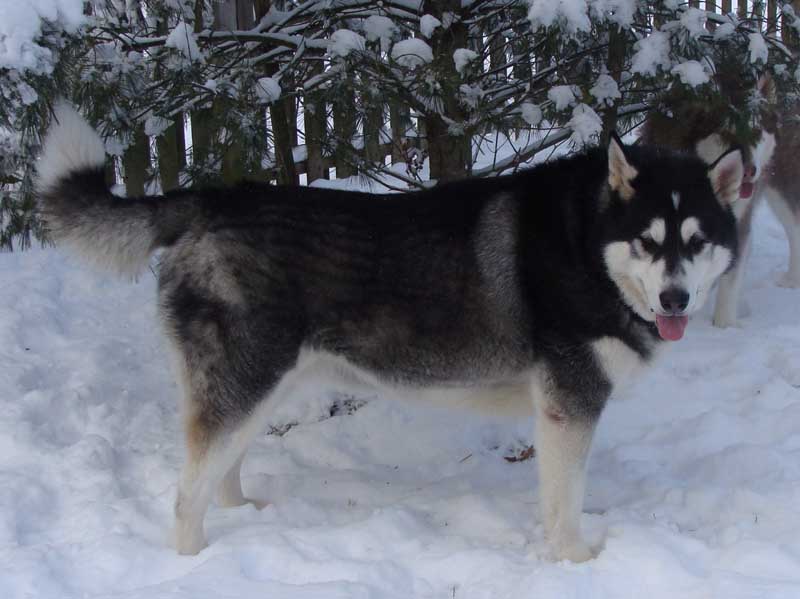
[(791, 224), (201, 478), (230, 493), (726, 310), (219, 467), (562, 448)]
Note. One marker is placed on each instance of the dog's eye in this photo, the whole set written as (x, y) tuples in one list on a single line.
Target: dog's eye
[(696, 244), (648, 245)]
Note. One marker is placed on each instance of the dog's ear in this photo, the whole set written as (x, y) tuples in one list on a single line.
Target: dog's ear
[(726, 176), (620, 171)]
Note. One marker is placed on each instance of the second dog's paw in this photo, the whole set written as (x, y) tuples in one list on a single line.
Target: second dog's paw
[(789, 280), (725, 321)]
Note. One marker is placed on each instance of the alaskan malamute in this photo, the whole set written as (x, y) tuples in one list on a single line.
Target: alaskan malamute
[(770, 172), (564, 278)]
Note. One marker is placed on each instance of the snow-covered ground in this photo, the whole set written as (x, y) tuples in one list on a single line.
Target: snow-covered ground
[(694, 482)]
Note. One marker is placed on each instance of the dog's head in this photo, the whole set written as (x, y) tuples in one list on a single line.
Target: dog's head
[(669, 229), (757, 149), (755, 157)]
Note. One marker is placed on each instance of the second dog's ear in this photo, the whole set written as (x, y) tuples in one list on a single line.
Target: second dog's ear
[(621, 172), (726, 176)]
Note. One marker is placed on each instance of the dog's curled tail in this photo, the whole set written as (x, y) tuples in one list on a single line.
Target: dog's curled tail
[(117, 234)]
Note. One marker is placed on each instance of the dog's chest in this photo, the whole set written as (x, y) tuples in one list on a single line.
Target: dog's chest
[(619, 362)]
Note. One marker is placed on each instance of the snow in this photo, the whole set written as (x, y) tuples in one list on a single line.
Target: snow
[(694, 20), (182, 39), (268, 90), (693, 482), (21, 29), (427, 24), (691, 73), (156, 125), (344, 41), (758, 48), (651, 52), (574, 15), (412, 53), (605, 90), (462, 57), (571, 13), (378, 27), (724, 30), (562, 95), (585, 124), (531, 113)]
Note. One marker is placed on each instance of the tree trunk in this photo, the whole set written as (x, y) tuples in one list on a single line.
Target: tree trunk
[(135, 162), (616, 64), (315, 121), (400, 121), (372, 100), (344, 129), (287, 173), (450, 155), (171, 154)]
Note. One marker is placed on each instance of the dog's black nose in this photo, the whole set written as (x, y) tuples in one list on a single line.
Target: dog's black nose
[(674, 300)]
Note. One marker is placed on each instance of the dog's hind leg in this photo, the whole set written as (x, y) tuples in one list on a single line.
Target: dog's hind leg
[(790, 219), (230, 492), (215, 450), (563, 438)]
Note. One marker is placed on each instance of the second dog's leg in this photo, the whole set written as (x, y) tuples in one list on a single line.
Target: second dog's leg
[(562, 448), (791, 225), (726, 310)]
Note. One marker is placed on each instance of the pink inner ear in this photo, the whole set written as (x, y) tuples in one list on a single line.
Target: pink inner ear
[(726, 176)]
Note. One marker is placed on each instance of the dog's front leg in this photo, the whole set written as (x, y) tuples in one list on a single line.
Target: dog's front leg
[(563, 439)]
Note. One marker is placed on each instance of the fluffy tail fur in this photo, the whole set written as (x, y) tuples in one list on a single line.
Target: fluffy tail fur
[(118, 234)]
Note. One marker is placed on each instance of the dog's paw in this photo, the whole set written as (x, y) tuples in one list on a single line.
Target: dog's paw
[(190, 546), (577, 552), (789, 280), (258, 504), (725, 321)]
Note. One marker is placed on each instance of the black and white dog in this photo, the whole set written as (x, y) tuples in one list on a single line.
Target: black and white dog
[(563, 279)]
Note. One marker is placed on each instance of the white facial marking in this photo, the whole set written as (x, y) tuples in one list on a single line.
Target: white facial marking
[(676, 200), (689, 228), (657, 231), (698, 274), (641, 280)]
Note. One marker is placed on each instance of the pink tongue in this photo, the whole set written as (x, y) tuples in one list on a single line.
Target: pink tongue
[(746, 190), (671, 327)]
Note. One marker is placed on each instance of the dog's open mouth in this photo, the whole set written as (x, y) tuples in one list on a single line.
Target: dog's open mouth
[(671, 328), (746, 190)]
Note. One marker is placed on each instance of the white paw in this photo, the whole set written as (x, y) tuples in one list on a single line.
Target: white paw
[(189, 540), (191, 546), (258, 504), (790, 280), (576, 551), (725, 321)]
